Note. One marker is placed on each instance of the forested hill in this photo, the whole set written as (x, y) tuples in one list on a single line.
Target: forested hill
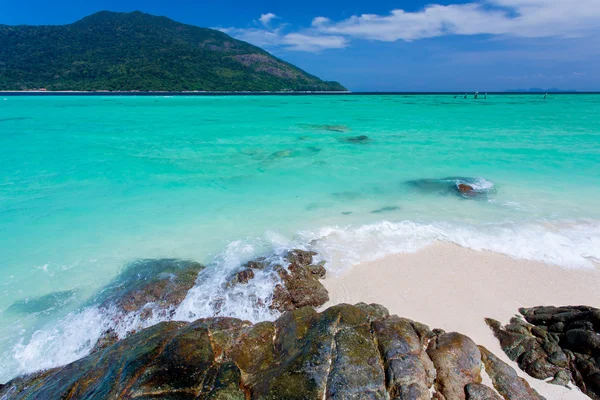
[(138, 51)]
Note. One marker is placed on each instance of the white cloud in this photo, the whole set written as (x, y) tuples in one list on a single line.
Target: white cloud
[(521, 18), (265, 19), (515, 18), (311, 42)]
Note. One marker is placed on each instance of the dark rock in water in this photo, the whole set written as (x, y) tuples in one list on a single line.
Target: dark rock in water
[(344, 352), (46, 304), (461, 186), (164, 283), (330, 128), (242, 277), (385, 209), (346, 196), (465, 189), (280, 154), (562, 343), (356, 139)]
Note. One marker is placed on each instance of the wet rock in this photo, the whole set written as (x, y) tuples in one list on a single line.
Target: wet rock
[(300, 285), (107, 339), (241, 277), (164, 283), (461, 186), (557, 343), (477, 391), (457, 361), (466, 189), (344, 352), (505, 379)]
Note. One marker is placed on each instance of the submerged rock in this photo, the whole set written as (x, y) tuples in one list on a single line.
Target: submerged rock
[(344, 352), (557, 343), (330, 128), (163, 283), (44, 304), (385, 209), (356, 139)]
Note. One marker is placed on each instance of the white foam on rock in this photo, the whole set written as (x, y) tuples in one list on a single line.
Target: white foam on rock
[(74, 336)]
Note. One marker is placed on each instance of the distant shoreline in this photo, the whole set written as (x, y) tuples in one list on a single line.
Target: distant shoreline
[(266, 93)]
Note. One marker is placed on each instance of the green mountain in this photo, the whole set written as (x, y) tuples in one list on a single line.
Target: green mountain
[(138, 51)]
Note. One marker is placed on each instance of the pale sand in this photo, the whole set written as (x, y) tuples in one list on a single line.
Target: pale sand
[(452, 288)]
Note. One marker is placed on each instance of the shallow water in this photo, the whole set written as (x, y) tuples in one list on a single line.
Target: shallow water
[(89, 184)]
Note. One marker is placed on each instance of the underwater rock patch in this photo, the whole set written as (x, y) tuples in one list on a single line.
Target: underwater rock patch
[(356, 139), (385, 210), (163, 282), (44, 304)]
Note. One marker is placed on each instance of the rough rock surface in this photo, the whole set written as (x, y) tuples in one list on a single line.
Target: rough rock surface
[(344, 352), (164, 283), (561, 343), (300, 284), (458, 363)]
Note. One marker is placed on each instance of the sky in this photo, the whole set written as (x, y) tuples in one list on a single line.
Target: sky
[(403, 45)]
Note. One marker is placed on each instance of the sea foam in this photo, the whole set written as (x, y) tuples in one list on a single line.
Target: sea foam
[(567, 244)]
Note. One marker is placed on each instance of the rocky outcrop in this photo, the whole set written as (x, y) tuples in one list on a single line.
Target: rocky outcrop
[(300, 286), (163, 283), (557, 343), (344, 352)]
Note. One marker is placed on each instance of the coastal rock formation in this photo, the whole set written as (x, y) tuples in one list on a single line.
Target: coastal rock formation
[(462, 186), (344, 352), (299, 286), (162, 283), (560, 343)]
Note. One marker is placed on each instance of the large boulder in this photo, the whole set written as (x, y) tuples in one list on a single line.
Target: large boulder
[(344, 352), (457, 361), (557, 343)]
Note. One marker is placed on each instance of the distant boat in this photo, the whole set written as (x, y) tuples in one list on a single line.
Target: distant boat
[(545, 96), (476, 94), (485, 97)]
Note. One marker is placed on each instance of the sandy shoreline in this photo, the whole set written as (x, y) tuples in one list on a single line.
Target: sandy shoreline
[(452, 288)]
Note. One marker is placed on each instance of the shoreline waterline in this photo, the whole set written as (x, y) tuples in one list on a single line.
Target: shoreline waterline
[(452, 288)]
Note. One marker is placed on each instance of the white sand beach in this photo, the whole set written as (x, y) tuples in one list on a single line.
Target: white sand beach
[(453, 288)]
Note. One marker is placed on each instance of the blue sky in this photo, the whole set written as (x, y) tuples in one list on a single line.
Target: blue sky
[(483, 45)]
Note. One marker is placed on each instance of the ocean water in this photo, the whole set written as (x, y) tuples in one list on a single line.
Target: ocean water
[(89, 184)]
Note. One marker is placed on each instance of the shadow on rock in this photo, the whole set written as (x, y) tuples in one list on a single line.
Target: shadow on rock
[(557, 343)]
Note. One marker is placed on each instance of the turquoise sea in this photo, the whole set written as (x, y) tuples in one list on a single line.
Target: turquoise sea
[(89, 184)]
